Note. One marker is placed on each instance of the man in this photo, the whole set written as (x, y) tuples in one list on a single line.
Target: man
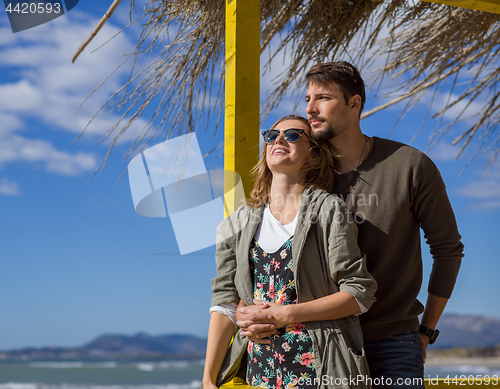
[(392, 190)]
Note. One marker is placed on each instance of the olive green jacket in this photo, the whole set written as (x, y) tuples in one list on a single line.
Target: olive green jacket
[(326, 259)]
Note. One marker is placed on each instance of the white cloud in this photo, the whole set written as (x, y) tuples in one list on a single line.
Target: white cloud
[(494, 171), (9, 123), (46, 88), (469, 108), (487, 205), (485, 193), (20, 97), (122, 13), (16, 149), (485, 189), (9, 188), (443, 151), (67, 164)]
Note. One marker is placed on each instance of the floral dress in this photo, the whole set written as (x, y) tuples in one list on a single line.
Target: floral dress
[(288, 362)]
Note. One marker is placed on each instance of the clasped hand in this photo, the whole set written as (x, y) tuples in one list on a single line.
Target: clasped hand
[(258, 322)]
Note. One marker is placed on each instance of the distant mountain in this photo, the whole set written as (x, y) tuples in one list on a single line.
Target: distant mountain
[(143, 344), (140, 345), (467, 331), (456, 331)]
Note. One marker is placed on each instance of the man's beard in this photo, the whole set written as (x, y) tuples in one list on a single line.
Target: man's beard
[(324, 134)]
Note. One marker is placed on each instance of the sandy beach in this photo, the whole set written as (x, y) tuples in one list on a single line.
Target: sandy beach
[(488, 362)]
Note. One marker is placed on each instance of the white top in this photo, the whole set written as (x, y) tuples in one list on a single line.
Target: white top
[(271, 234)]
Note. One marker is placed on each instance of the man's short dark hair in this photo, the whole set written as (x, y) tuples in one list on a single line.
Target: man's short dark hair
[(342, 73)]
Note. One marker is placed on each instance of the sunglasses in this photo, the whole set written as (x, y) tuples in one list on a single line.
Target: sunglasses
[(290, 135)]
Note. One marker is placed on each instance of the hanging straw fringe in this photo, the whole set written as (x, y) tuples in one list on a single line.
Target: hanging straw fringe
[(423, 45)]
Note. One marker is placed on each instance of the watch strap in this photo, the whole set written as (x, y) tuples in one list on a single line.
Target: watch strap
[(431, 334)]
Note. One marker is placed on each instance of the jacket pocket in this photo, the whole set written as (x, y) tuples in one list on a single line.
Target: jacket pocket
[(343, 360)]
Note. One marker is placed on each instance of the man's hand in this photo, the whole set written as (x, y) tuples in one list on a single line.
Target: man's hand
[(255, 323), (433, 310), (424, 342)]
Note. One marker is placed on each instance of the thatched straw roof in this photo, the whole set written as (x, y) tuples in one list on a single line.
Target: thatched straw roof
[(427, 43)]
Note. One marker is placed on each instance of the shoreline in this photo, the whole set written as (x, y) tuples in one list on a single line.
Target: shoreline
[(489, 362)]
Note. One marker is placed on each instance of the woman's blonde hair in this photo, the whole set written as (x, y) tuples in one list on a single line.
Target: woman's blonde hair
[(318, 170)]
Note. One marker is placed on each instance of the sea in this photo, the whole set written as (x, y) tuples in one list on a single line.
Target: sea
[(102, 375), (151, 374)]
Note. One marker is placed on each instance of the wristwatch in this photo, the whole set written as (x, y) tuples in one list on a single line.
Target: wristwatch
[(431, 334)]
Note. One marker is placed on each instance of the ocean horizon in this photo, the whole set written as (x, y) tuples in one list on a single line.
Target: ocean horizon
[(140, 374), (166, 374)]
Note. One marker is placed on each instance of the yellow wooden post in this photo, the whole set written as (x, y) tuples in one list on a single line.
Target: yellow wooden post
[(241, 126), (492, 6)]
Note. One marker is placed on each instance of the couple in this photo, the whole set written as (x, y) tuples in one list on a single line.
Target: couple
[(303, 323)]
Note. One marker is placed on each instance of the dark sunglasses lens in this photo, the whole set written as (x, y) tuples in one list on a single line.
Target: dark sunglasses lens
[(270, 136), (292, 135)]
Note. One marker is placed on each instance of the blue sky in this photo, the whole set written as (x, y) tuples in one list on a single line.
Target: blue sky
[(76, 261)]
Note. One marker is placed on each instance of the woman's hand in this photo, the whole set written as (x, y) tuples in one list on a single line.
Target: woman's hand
[(262, 319), (254, 322), (265, 314), (280, 314), (259, 321)]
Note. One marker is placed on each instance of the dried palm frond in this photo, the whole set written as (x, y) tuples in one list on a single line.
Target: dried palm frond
[(427, 43), (190, 35), (94, 32), (179, 82), (444, 44)]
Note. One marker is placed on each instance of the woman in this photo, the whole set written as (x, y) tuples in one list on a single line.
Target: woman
[(314, 284)]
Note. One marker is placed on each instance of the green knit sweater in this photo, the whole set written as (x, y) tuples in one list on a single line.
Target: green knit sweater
[(395, 191)]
